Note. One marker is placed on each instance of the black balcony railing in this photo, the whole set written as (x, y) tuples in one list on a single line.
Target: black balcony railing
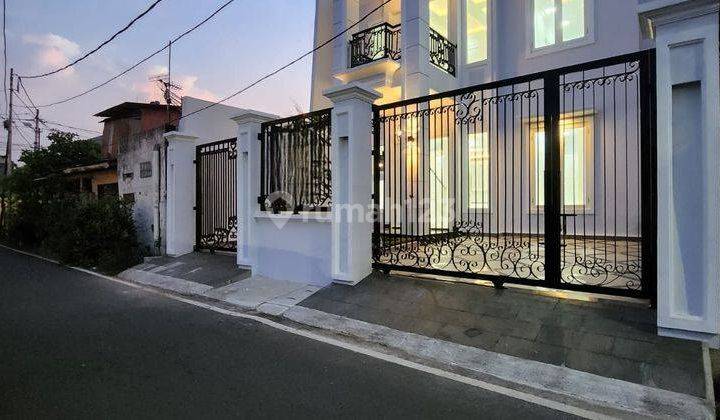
[(442, 52), (380, 41)]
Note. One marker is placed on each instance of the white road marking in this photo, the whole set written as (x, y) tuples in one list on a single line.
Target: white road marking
[(508, 392)]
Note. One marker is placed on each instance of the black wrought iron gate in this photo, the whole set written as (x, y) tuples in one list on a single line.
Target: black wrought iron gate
[(545, 179), (216, 196)]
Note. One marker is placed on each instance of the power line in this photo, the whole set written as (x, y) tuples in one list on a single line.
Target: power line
[(22, 135), (89, 53), (141, 61), (45, 122), (26, 92), (274, 72)]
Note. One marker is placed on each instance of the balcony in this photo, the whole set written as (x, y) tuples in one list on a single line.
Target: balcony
[(373, 44), (442, 52)]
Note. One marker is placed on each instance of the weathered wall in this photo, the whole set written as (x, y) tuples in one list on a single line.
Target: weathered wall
[(134, 151)]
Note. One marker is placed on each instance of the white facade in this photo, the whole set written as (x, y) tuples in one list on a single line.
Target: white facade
[(610, 28)]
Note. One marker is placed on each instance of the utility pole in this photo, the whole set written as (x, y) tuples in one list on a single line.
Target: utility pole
[(37, 129), (168, 96), (8, 126)]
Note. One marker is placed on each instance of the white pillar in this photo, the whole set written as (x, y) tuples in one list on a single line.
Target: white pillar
[(351, 181), (688, 153), (248, 180), (180, 220), (415, 50)]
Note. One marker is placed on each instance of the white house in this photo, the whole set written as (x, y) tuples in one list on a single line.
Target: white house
[(568, 144)]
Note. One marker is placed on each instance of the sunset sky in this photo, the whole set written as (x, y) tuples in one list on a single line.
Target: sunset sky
[(246, 40)]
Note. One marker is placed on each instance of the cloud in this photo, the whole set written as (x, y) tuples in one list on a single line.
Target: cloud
[(151, 90), (54, 50)]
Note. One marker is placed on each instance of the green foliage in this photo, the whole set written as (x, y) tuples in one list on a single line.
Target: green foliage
[(44, 212), (93, 232)]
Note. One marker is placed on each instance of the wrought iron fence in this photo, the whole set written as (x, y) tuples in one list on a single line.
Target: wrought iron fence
[(295, 163), (442, 52), (545, 179), (380, 41)]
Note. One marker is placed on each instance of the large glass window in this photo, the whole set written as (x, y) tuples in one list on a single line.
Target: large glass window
[(556, 21), (476, 26), (478, 171), (576, 155), (439, 16)]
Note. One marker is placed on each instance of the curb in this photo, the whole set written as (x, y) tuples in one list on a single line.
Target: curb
[(593, 392)]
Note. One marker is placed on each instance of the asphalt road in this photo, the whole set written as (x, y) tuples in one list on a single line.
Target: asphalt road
[(75, 346)]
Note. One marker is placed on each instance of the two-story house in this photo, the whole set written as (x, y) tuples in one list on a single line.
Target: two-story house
[(409, 49)]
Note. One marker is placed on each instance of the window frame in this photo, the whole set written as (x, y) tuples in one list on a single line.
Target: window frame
[(489, 37), (559, 44), (146, 170), (587, 119), (448, 28), (485, 178)]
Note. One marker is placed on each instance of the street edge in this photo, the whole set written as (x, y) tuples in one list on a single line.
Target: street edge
[(355, 335)]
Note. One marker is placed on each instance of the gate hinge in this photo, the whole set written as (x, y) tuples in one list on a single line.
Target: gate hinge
[(194, 208), (194, 162), (260, 136)]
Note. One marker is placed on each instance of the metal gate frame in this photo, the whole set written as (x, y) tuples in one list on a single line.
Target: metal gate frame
[(553, 82), (216, 219)]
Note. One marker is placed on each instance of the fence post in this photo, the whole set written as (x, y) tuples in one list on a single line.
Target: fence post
[(180, 218), (248, 179), (688, 152), (352, 223)]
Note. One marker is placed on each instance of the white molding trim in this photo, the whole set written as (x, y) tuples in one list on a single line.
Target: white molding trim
[(663, 12), (352, 91)]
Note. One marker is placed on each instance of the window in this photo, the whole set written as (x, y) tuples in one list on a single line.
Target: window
[(439, 172), (478, 171), (558, 21), (576, 160), (476, 27), (439, 16), (145, 170)]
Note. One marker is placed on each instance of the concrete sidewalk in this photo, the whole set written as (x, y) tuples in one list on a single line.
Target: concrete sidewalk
[(218, 277), (611, 338)]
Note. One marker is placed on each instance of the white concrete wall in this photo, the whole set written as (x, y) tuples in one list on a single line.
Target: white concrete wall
[(210, 125), (290, 248), (281, 246)]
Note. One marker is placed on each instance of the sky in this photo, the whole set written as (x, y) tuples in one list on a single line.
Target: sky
[(246, 40)]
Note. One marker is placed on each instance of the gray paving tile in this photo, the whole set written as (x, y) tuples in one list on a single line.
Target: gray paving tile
[(604, 365), (532, 350), (674, 379), (468, 336), (575, 339)]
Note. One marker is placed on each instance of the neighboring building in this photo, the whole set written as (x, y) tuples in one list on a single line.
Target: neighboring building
[(133, 134), (99, 178)]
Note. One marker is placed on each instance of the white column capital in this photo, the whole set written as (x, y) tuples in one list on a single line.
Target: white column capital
[(251, 116), (352, 91), (656, 13), (178, 136)]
